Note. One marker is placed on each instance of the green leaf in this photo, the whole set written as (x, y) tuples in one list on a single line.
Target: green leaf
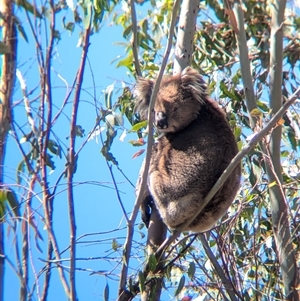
[(54, 148), (13, 202), (20, 171), (127, 62), (180, 285), (70, 26), (29, 7), (87, 13), (262, 106), (152, 262), (292, 139), (226, 92), (108, 95), (139, 126), (115, 246), (191, 270), (127, 31), (20, 29), (106, 292), (79, 131), (141, 281), (3, 198), (4, 49), (50, 162)]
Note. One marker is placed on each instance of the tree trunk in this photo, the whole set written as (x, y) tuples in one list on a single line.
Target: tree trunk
[(6, 90), (278, 205)]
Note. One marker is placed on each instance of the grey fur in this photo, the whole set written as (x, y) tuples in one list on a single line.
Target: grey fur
[(188, 159)]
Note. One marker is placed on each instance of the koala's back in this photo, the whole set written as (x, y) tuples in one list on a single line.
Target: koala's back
[(185, 165)]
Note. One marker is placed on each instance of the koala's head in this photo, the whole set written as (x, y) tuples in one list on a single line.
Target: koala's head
[(178, 101)]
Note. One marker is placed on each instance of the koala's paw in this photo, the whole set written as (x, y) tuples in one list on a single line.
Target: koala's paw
[(146, 209)]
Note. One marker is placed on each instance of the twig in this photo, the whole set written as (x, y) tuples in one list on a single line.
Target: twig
[(117, 191), (46, 95), (140, 195), (72, 163), (227, 283), (134, 43)]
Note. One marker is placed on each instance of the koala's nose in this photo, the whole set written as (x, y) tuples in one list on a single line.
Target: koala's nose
[(161, 120)]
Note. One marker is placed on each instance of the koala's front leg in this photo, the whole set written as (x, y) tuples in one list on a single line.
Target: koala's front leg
[(147, 202), (146, 209)]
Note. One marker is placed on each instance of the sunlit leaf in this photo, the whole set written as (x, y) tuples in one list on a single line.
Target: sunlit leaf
[(256, 113), (127, 62), (139, 126), (272, 184), (87, 13)]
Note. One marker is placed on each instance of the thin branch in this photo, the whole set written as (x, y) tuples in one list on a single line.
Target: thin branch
[(227, 283), (72, 163), (46, 94), (117, 191), (244, 59), (140, 195), (134, 43)]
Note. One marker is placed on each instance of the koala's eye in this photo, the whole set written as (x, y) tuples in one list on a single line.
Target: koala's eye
[(175, 109)]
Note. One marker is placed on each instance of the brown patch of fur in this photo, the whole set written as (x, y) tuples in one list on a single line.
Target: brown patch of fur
[(197, 147)]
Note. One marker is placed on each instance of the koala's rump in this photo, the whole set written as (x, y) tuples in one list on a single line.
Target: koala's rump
[(184, 167)]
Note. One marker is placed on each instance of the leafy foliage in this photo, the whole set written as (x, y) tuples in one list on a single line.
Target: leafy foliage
[(240, 260)]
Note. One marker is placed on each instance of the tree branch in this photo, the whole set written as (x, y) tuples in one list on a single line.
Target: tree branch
[(72, 162), (134, 43), (244, 59), (7, 83), (140, 194), (185, 35)]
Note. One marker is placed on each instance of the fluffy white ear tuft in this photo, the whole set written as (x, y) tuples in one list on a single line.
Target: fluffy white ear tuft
[(192, 79), (142, 93)]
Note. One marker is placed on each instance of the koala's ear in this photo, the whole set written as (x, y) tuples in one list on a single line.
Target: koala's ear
[(192, 80), (142, 93)]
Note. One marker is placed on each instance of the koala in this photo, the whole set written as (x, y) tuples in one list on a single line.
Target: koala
[(195, 147)]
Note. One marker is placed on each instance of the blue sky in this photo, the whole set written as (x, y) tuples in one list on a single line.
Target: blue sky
[(96, 205)]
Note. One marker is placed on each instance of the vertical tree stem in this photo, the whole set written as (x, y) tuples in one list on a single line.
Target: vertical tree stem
[(278, 205), (7, 83)]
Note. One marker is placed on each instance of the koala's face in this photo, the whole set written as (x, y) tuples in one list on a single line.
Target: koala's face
[(178, 101), (175, 108)]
